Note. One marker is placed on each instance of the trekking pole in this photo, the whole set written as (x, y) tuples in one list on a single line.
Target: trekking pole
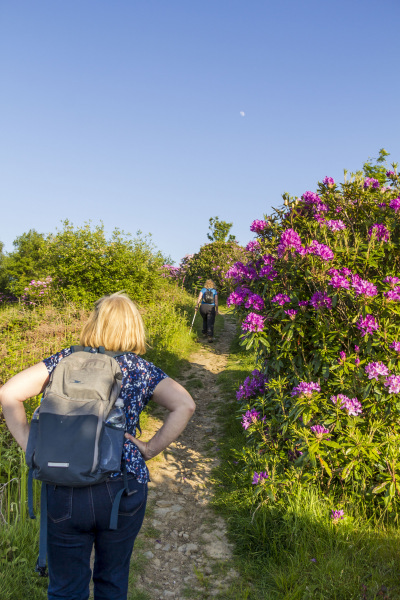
[(194, 316)]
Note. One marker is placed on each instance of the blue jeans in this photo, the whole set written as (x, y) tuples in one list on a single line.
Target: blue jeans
[(79, 518)]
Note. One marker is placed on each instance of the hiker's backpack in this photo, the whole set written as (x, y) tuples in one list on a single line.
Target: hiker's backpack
[(208, 296), (70, 442)]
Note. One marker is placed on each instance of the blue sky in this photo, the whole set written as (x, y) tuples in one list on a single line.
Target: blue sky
[(129, 111)]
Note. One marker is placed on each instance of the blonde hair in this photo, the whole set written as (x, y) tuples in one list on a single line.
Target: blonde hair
[(116, 324), (209, 284)]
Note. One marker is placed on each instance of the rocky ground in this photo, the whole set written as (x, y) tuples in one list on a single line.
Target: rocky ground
[(183, 541)]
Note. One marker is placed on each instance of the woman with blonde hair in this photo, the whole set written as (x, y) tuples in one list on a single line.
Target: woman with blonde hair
[(79, 517), (208, 303)]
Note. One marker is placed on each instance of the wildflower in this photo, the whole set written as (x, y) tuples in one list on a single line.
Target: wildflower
[(319, 430), (395, 346), (253, 246), (259, 477), (363, 287), (370, 181), (268, 259), (320, 250), (250, 417), (356, 361), (290, 240), (335, 225), (393, 281), (342, 356), (395, 204), (258, 226), (376, 369), (339, 281), (393, 383), (281, 299), (306, 389), (328, 181), (253, 322), (268, 272), (303, 303), (390, 173), (253, 385), (321, 300), (352, 405), (311, 198), (367, 325), (336, 515), (380, 232), (393, 295), (356, 348), (291, 313)]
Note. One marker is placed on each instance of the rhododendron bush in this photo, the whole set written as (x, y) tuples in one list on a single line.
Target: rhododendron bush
[(320, 303)]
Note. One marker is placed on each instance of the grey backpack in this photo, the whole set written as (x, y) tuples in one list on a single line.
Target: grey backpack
[(70, 443)]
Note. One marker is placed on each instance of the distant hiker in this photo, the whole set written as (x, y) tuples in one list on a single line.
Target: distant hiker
[(208, 303), (79, 517)]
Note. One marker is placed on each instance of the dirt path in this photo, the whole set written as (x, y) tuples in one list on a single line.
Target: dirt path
[(184, 542)]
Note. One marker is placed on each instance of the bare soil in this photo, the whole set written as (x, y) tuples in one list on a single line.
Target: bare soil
[(183, 541)]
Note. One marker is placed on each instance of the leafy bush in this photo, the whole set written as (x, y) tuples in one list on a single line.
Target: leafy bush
[(84, 264), (211, 262), (319, 302)]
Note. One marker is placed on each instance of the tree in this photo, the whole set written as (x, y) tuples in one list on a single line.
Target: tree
[(219, 231), (24, 263)]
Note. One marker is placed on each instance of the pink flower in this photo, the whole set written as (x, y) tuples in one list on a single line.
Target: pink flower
[(321, 300), (280, 299), (393, 383), (367, 325), (258, 226), (335, 225), (376, 369), (259, 477), (395, 204), (253, 322), (328, 181), (380, 232), (370, 181), (305, 389), (395, 346), (337, 515)]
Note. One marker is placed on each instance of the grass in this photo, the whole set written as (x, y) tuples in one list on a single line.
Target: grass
[(292, 550)]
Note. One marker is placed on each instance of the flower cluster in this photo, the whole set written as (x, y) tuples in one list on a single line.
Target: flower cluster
[(319, 430), (328, 181), (321, 300), (375, 370), (363, 287), (306, 389), (393, 295), (320, 250), (253, 246), (379, 231), (335, 225), (395, 346), (250, 417), (337, 515), (352, 405), (259, 477), (367, 325), (291, 313), (395, 204), (252, 386), (393, 383), (280, 299), (258, 226), (244, 296), (290, 240), (393, 281), (240, 272), (253, 322), (370, 181)]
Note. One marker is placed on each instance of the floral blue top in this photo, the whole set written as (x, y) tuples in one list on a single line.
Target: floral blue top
[(139, 380)]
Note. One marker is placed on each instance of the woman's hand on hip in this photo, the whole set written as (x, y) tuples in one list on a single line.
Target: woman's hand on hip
[(142, 446)]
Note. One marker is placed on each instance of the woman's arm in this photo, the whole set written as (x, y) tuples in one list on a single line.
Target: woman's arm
[(172, 396), (216, 303), (15, 391), (199, 300)]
